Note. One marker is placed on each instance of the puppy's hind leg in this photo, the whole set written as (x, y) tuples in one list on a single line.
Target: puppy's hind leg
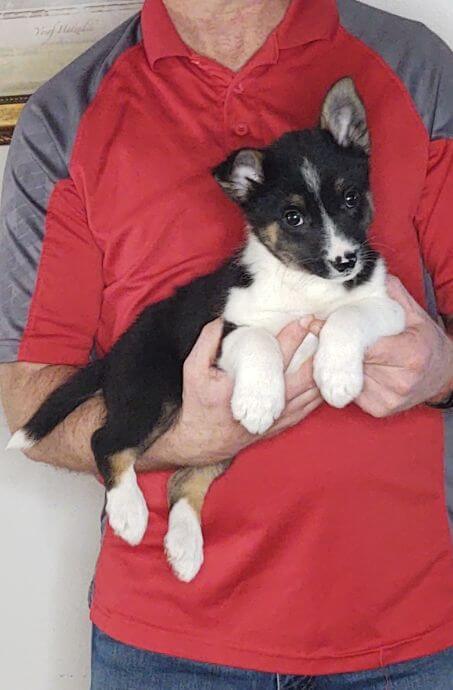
[(125, 506), (184, 540)]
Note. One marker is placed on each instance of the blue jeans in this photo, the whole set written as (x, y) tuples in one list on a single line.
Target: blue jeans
[(116, 666)]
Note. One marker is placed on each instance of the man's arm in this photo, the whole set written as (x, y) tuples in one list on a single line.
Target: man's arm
[(205, 431), (23, 388)]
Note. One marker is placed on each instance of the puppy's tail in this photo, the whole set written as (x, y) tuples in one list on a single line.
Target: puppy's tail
[(80, 387)]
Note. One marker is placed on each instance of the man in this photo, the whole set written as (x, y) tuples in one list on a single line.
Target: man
[(329, 562)]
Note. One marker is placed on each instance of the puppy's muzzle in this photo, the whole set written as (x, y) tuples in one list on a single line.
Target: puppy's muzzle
[(345, 263)]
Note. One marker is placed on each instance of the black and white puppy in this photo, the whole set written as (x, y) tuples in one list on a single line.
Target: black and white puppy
[(308, 206)]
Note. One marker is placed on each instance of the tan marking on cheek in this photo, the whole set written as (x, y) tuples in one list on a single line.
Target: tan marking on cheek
[(278, 242), (271, 234)]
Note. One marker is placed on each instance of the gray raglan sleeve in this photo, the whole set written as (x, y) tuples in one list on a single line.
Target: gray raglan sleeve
[(50, 267)]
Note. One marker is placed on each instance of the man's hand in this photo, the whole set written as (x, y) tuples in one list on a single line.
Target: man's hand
[(408, 369), (206, 431)]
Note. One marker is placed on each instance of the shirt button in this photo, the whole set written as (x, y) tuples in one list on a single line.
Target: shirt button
[(242, 129), (239, 88)]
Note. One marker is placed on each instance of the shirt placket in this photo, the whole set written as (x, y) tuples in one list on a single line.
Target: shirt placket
[(240, 119)]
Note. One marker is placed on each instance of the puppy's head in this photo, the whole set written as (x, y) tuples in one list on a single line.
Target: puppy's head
[(307, 197)]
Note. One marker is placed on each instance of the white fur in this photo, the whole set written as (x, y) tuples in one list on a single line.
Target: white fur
[(338, 365), (253, 358), (184, 541), (126, 509), (246, 169), (311, 177), (343, 123), (338, 244), (306, 349), (241, 177), (20, 441), (278, 295)]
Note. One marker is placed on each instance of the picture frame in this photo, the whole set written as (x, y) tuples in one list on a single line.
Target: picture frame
[(40, 37)]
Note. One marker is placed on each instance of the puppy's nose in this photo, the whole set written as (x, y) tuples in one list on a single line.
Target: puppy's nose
[(345, 263)]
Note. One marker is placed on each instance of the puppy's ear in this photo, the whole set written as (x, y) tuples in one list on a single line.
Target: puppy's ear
[(344, 116), (240, 173)]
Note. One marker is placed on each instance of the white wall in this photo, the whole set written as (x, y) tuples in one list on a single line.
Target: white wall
[(49, 537), (49, 530)]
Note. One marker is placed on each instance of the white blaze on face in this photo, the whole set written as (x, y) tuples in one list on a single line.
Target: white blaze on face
[(336, 243), (311, 177)]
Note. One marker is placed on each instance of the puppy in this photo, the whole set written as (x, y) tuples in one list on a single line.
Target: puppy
[(308, 207)]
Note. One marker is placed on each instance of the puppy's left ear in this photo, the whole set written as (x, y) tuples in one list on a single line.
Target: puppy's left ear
[(240, 173), (344, 116)]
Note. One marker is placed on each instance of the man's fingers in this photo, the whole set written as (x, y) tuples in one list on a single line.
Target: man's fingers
[(301, 413), (378, 400), (290, 338), (391, 350), (315, 327), (288, 420), (300, 381), (397, 291), (376, 406), (301, 401), (204, 352)]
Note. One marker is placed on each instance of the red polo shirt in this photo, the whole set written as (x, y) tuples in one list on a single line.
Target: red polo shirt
[(327, 547)]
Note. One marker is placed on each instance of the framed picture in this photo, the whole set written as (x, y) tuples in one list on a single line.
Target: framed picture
[(40, 37)]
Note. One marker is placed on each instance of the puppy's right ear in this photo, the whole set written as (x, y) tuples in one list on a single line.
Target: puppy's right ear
[(240, 173)]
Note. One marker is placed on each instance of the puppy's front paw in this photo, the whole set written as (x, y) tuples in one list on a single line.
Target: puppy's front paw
[(183, 542), (258, 404), (127, 512), (339, 379)]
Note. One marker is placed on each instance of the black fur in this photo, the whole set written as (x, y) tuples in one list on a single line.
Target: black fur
[(367, 271), (64, 400), (143, 370), (267, 201)]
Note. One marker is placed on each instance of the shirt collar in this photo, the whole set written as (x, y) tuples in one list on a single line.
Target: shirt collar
[(160, 37), (305, 21)]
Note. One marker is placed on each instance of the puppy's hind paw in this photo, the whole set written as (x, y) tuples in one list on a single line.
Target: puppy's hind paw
[(127, 511), (184, 541)]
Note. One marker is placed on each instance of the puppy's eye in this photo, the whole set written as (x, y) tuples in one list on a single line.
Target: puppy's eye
[(293, 217), (351, 197)]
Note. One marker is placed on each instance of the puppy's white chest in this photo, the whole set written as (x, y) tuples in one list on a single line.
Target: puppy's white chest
[(279, 295), (276, 300), (268, 309)]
